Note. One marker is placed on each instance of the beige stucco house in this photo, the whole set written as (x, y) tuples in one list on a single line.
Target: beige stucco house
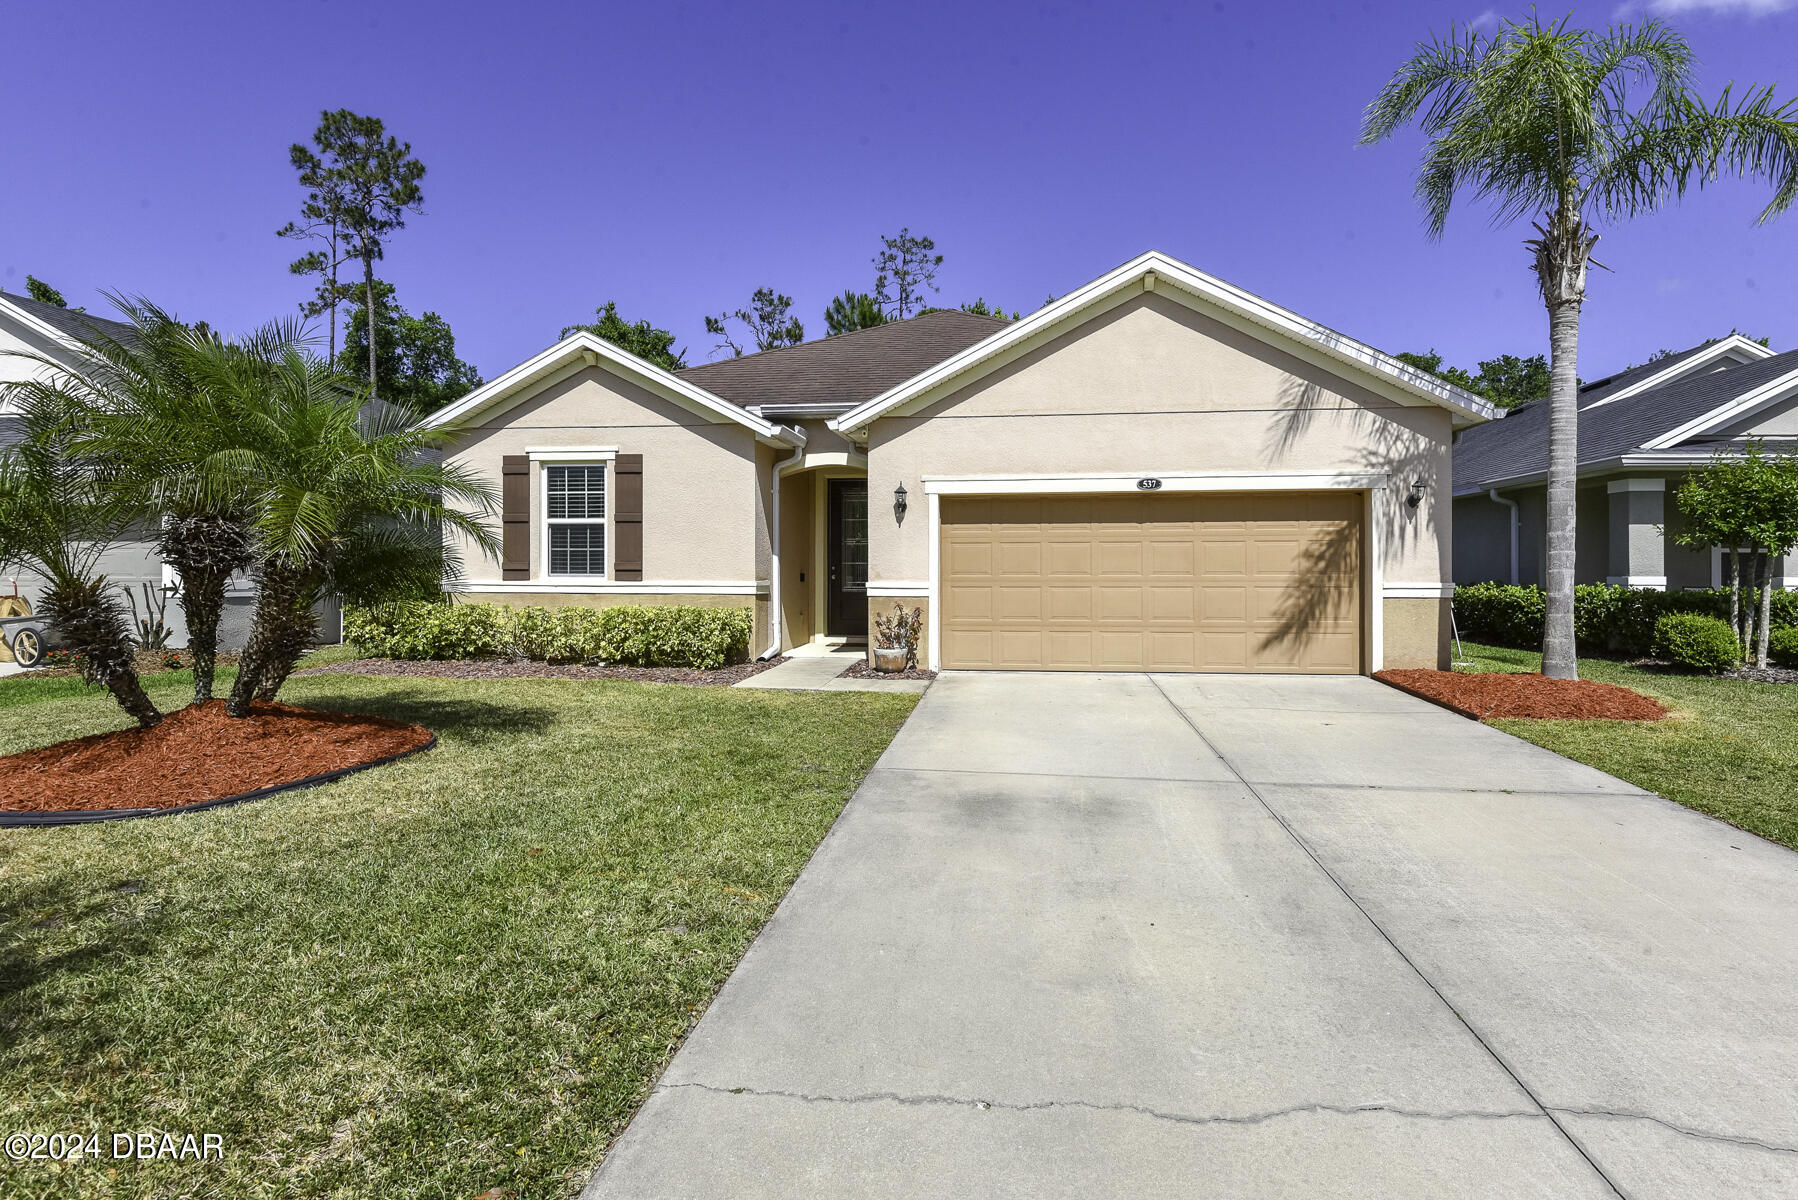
[(1157, 471)]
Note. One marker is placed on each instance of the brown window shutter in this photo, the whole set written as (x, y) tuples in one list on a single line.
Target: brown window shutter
[(515, 517), (627, 518)]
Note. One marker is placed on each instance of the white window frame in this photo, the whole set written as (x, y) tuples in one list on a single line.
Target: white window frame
[(542, 459)]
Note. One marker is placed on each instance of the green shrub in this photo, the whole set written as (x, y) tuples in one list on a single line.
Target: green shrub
[(1606, 617), (1697, 642), (426, 629), (1782, 647), (628, 635)]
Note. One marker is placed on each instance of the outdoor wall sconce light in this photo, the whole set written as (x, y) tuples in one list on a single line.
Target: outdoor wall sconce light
[(899, 504), (1416, 496)]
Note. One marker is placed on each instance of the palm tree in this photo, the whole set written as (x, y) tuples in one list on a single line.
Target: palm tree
[(1577, 129), (347, 500), (164, 407), (59, 513)]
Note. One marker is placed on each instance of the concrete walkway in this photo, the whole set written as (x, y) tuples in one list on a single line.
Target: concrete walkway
[(1122, 935), (816, 669)]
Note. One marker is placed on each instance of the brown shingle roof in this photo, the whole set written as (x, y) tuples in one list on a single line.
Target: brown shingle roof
[(847, 368)]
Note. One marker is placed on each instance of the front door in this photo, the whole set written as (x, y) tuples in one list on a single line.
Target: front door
[(846, 600)]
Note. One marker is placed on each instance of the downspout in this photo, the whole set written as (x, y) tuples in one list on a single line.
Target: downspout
[(1512, 505), (776, 617)]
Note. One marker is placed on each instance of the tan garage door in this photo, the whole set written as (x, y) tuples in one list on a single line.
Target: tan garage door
[(1265, 581)]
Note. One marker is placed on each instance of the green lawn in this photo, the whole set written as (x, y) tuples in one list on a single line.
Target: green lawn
[(1730, 748), (169, 689), (455, 973)]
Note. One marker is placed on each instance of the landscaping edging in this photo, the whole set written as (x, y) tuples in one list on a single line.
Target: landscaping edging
[(85, 816)]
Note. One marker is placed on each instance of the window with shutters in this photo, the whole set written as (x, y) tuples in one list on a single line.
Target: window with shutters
[(574, 511)]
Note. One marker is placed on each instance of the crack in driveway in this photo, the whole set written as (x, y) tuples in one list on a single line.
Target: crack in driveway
[(1686, 1131), (1255, 1118)]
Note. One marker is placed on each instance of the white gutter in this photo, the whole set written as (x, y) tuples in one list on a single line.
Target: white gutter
[(776, 619), (1512, 505)]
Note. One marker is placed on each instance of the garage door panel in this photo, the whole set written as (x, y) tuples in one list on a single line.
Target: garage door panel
[(1207, 582)]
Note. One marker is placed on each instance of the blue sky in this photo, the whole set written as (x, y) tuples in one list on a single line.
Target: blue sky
[(673, 157)]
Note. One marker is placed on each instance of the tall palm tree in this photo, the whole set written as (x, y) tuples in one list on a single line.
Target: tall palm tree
[(347, 500), (59, 513), (165, 405), (1576, 129)]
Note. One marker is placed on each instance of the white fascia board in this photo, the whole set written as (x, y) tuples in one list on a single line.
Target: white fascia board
[(1745, 405), (1169, 481), (1735, 345), (584, 349), (38, 326), (1144, 272)]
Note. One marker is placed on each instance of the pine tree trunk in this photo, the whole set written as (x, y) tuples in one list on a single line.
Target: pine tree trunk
[(331, 307), (368, 304), (1559, 655)]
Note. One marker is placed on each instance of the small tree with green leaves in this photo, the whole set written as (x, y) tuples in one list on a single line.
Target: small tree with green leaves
[(769, 320), (641, 338), (1574, 128), (43, 293), (851, 311), (1746, 501), (905, 266)]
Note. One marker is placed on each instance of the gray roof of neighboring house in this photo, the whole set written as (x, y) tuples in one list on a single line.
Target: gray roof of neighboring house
[(1598, 389), (846, 368), (67, 320), (1518, 445)]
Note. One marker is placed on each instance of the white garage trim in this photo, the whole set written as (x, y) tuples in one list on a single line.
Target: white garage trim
[(1374, 483)]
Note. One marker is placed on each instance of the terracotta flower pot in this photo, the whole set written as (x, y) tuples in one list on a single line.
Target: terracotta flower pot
[(889, 658)]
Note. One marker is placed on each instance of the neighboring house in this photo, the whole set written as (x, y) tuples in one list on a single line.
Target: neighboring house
[(1157, 471), (1640, 432)]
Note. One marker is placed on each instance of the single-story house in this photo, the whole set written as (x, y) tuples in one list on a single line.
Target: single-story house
[(1157, 471), (1640, 432)]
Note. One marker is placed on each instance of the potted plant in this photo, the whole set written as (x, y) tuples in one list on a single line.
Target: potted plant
[(896, 639)]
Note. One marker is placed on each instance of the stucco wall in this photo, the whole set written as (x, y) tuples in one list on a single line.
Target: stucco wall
[(702, 520), (1152, 387), (1416, 633), (797, 570), (1483, 540)]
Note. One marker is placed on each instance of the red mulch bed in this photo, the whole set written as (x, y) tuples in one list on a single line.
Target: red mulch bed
[(519, 668), (197, 753), (1494, 695)]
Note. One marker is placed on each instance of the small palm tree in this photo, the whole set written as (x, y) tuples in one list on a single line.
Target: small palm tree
[(59, 514), (1577, 129), (347, 500), (163, 407)]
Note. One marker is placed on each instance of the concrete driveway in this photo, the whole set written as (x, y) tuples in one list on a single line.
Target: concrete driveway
[(1237, 937)]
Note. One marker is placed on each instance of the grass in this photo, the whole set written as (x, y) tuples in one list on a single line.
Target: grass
[(456, 973), (169, 689), (1730, 748)]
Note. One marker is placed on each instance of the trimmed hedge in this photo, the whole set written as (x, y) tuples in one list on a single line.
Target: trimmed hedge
[(1605, 617), (1697, 642), (1782, 647), (625, 635)]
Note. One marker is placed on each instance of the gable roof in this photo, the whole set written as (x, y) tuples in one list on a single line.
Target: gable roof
[(61, 324), (1307, 338), (1723, 351), (844, 369), (1517, 447), (584, 349)]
